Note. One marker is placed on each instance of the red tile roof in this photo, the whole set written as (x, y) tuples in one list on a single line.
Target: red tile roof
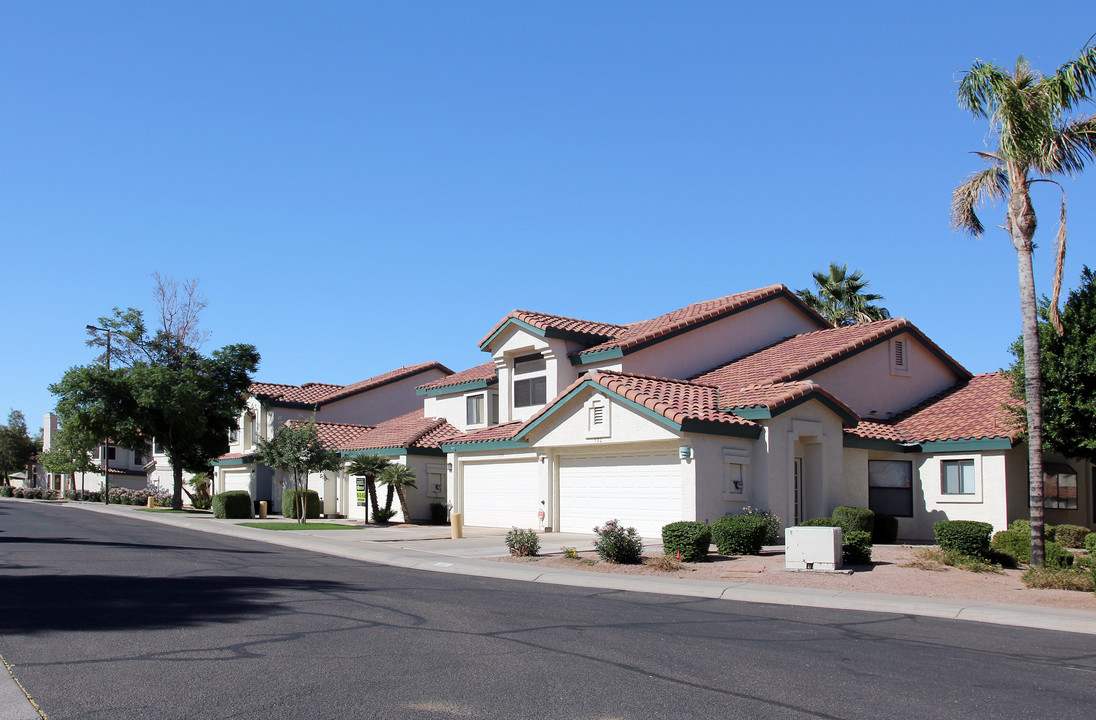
[(503, 431), (971, 410), (235, 456), (776, 395), (799, 355), (333, 434), (321, 393), (645, 332), (486, 372), (405, 431), (588, 329), (676, 400)]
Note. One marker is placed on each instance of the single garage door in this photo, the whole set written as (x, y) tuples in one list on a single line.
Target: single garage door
[(642, 490), (501, 494), (239, 481)]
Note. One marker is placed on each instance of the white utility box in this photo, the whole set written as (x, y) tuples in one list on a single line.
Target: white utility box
[(812, 548)]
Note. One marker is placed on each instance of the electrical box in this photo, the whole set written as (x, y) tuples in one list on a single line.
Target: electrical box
[(812, 548)]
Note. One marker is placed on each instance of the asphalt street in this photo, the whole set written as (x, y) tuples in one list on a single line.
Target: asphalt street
[(106, 617)]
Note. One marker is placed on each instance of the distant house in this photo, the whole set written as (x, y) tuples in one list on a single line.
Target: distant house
[(126, 466)]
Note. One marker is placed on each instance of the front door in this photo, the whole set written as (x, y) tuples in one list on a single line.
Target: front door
[(797, 481)]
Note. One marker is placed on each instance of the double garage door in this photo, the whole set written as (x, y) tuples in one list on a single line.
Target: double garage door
[(642, 490)]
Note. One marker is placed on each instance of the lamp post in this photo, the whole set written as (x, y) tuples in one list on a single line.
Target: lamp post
[(106, 443)]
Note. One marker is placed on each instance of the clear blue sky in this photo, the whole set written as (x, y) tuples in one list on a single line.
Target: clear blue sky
[(360, 186)]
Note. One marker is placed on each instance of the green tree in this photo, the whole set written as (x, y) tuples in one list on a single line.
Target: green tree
[(1068, 367), (398, 477), (842, 298), (1035, 141), (369, 467), (296, 448), (70, 453), (17, 447)]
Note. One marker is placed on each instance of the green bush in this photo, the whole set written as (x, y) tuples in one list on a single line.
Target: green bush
[(382, 516), (1070, 536), (820, 522), (1014, 543), (290, 503), (852, 518), (855, 547), (232, 504), (1090, 542), (772, 537), (1060, 578), (966, 537), (1021, 525), (740, 534), (885, 531), (6, 491), (1056, 556), (616, 544), (522, 543), (687, 540), (438, 513)]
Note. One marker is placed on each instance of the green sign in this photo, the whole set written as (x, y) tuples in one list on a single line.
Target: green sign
[(362, 495)]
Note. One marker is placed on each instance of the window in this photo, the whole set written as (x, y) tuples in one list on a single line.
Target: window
[(111, 452), (1059, 486), (493, 410), (139, 456), (957, 477), (735, 463), (158, 447), (533, 391), (234, 435), (890, 487), (474, 405), (529, 363)]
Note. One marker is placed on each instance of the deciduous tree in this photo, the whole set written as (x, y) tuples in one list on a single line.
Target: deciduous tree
[(296, 448)]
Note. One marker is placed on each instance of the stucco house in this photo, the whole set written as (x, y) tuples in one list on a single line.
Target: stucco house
[(125, 466), (356, 406), (747, 400)]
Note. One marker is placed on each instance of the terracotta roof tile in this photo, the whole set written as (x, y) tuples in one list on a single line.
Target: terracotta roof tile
[(676, 400), (383, 379), (410, 430), (486, 372), (590, 330), (503, 431), (970, 410), (319, 393), (308, 393), (776, 395), (332, 434), (235, 456)]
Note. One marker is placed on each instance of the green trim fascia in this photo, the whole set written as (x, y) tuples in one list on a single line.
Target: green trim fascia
[(707, 427), (966, 445), (484, 445), (249, 460), (459, 387), (512, 321), (753, 412), (601, 388), (863, 443), (847, 419), (373, 451), (597, 356)]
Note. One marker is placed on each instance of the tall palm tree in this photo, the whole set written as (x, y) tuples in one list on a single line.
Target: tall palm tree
[(1035, 142), (841, 297), (399, 477), (369, 467)]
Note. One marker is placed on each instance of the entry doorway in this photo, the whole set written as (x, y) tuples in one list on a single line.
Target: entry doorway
[(797, 490)]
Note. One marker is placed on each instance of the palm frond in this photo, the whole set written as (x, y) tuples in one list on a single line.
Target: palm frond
[(989, 185), (1069, 148), (1059, 269), (981, 88), (1075, 81)]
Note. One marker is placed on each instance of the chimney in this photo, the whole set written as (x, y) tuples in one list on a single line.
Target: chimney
[(49, 429)]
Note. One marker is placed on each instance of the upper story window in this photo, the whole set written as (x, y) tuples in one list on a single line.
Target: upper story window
[(530, 390), (234, 435), (474, 405), (525, 364), (957, 477), (493, 410), (112, 452)]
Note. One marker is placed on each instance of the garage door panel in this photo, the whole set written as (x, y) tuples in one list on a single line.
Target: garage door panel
[(501, 494), (642, 490)]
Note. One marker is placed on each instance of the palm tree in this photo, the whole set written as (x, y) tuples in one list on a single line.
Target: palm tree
[(1035, 142), (399, 477), (369, 467), (841, 298)]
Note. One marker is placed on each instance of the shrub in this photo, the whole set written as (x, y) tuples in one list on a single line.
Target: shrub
[(820, 522), (1021, 525), (438, 513), (885, 531), (6, 491), (1090, 542), (522, 543), (966, 537), (1059, 579), (616, 544), (290, 503), (1056, 556), (687, 540), (1070, 536), (740, 534), (773, 535), (1014, 543), (856, 547), (382, 516), (852, 518), (232, 504)]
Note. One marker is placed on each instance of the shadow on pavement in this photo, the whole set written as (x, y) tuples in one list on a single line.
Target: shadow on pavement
[(43, 603), (102, 543)]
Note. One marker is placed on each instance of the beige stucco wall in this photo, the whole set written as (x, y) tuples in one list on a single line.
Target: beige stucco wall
[(418, 499)]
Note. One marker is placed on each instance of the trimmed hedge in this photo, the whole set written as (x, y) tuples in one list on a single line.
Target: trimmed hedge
[(312, 504), (853, 518), (690, 539), (1015, 543), (6, 491), (966, 537), (1056, 556), (856, 547), (1090, 542), (740, 534), (233, 504), (885, 531), (1070, 536)]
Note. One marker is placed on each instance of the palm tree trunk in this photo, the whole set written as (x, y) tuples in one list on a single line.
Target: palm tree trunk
[(388, 499), (371, 490), (403, 504), (1033, 379), (177, 491)]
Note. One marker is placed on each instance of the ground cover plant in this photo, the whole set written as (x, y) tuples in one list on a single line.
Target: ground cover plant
[(299, 526)]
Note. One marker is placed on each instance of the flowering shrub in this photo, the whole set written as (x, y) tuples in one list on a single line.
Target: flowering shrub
[(616, 544), (522, 543), (772, 535), (125, 496)]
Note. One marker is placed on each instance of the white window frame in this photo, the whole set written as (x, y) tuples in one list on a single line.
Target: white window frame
[(736, 467), (975, 496), (532, 395), (474, 406)]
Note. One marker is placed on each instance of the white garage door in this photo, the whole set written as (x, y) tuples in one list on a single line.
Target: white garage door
[(501, 494), (238, 481), (641, 490)]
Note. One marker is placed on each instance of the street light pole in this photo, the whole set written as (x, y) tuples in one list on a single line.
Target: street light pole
[(106, 444)]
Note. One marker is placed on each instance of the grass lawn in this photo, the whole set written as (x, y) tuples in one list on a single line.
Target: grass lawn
[(299, 526)]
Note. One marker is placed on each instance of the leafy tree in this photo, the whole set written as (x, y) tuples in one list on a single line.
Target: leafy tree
[(1068, 366), (370, 467), (1035, 142), (17, 447), (398, 477), (841, 297), (70, 453), (296, 448)]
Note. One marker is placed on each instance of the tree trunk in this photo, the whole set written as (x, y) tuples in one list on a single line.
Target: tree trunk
[(388, 500), (403, 504), (302, 498), (177, 493), (1022, 229), (371, 488)]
